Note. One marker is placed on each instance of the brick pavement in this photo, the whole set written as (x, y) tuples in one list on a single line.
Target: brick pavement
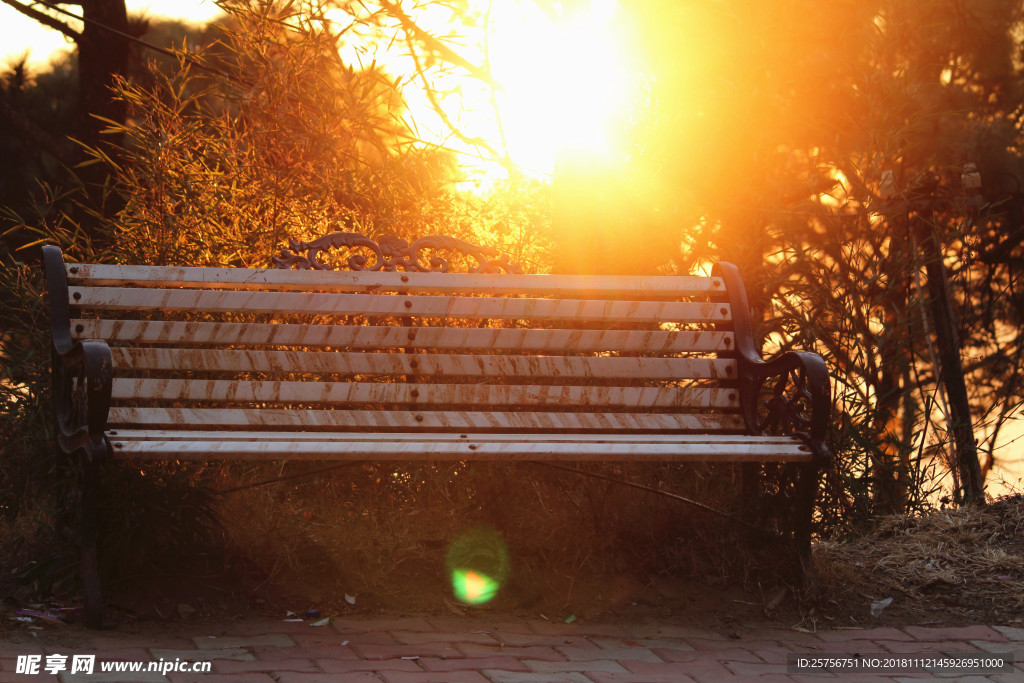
[(492, 650)]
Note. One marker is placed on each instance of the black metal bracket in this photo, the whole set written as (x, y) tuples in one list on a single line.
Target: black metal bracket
[(82, 372), (799, 399), (391, 253)]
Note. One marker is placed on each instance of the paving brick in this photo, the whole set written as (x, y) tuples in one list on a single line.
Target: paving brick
[(549, 628), (709, 670), (10, 663), (263, 627), (519, 677), (755, 668), (679, 655), (604, 643), (143, 641), (377, 652), (12, 650), (785, 635), (771, 655), (531, 639), (860, 647), (732, 653), (111, 677), (351, 677), (228, 642), (667, 677), (346, 666), (579, 654), (663, 630), (923, 647), (411, 637), (349, 625), (227, 666), (11, 677), (535, 652), (489, 624), (600, 630), (976, 632), (660, 644), (1015, 677), (379, 638), (1011, 632), (433, 677), (713, 644), (989, 646), (312, 652), (606, 665), (193, 655), (882, 633), (751, 645), (472, 664), (249, 677), (135, 654), (327, 637), (475, 649)]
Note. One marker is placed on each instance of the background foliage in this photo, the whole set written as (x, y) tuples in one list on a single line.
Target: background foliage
[(798, 139)]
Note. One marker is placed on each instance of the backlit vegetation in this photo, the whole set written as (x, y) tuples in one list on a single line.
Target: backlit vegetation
[(817, 145)]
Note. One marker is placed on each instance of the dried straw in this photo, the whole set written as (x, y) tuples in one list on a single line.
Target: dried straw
[(973, 556)]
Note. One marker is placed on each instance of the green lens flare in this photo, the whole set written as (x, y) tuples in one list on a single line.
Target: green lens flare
[(473, 588), (477, 561)]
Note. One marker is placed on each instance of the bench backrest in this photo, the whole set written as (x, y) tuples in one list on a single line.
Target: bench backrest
[(234, 348)]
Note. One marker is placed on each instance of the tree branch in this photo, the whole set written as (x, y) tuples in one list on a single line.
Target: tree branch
[(44, 19), (413, 30), (477, 142)]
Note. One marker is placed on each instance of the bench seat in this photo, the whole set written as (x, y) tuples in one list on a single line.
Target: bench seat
[(471, 446)]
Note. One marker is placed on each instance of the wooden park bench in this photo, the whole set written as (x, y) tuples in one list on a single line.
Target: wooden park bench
[(372, 350)]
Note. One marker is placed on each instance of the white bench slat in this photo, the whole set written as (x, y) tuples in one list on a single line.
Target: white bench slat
[(364, 336), (580, 310), (128, 434), (337, 393), (479, 448), (426, 419), (452, 365), (584, 286)]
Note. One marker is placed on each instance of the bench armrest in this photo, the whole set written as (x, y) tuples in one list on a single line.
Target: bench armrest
[(786, 395), (82, 380), (82, 372), (789, 394)]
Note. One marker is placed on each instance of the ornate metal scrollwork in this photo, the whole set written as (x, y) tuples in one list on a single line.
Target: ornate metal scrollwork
[(786, 405), (391, 253)]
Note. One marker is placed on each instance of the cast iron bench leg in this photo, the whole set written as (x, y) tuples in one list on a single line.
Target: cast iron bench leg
[(803, 511), (90, 564)]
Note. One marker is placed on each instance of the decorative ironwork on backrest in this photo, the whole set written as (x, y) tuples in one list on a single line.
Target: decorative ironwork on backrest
[(391, 253)]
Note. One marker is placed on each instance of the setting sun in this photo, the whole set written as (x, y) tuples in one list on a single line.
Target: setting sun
[(560, 82), (563, 82)]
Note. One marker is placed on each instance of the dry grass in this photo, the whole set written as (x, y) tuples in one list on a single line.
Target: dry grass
[(381, 533), (970, 558)]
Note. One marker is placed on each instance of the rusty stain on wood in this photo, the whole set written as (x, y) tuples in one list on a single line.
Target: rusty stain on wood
[(599, 367)]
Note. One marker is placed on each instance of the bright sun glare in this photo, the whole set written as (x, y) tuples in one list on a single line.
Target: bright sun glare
[(563, 85), (564, 82)]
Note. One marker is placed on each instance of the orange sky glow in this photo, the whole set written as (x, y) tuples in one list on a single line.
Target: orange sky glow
[(563, 78), (563, 83)]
